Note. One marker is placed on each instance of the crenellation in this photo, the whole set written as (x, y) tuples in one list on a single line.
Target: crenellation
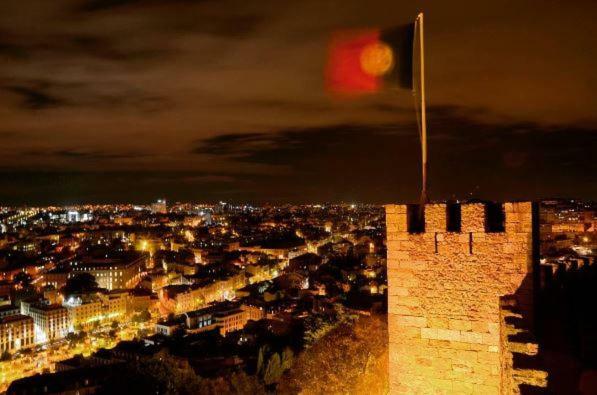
[(518, 217), (435, 218), (473, 217)]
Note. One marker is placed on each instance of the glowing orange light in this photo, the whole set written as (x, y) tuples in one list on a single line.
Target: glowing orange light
[(377, 59)]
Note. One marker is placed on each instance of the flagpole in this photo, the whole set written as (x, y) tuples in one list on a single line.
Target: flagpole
[(423, 112)]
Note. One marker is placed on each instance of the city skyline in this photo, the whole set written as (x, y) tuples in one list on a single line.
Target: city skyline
[(130, 100)]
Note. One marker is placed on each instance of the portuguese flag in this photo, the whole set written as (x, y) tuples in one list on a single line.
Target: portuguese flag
[(366, 61)]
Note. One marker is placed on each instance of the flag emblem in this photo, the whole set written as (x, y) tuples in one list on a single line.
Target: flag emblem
[(377, 59), (365, 61)]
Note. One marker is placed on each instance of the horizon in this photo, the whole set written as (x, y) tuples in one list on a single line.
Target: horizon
[(265, 204)]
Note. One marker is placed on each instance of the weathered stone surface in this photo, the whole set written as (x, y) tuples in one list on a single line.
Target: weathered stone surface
[(444, 292)]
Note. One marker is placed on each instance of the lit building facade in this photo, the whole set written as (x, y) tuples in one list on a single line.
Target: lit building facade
[(16, 332), (50, 322), (112, 273), (83, 312), (179, 299), (228, 318), (55, 278), (159, 207)]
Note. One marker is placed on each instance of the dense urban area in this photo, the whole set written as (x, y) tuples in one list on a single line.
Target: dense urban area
[(211, 289), (220, 298)]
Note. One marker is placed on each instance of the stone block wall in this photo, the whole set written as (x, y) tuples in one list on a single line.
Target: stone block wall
[(523, 371), (444, 292)]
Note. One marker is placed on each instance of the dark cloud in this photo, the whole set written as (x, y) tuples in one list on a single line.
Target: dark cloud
[(109, 48), (78, 154), (12, 51), (375, 163), (98, 46), (8, 134), (506, 160), (35, 97), (43, 95), (181, 16), (228, 95), (237, 146), (101, 5)]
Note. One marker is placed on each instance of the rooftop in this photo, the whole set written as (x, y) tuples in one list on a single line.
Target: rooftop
[(14, 318)]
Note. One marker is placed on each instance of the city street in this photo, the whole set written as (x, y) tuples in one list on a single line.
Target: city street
[(43, 358)]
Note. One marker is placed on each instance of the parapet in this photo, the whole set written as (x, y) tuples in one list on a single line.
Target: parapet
[(508, 217)]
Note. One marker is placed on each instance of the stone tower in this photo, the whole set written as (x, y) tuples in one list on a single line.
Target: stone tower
[(445, 281)]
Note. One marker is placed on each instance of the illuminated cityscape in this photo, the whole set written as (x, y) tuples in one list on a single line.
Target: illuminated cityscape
[(298, 197), (124, 276)]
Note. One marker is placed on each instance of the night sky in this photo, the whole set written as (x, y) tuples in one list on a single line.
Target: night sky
[(207, 100)]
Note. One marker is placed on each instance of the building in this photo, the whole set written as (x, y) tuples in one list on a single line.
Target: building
[(202, 218), (226, 317), (8, 310), (154, 281), (5, 288), (50, 322), (85, 311), (448, 278), (124, 221), (55, 278), (159, 207), (292, 250), (307, 262), (16, 332), (179, 299), (265, 270), (73, 216), (167, 327), (113, 273)]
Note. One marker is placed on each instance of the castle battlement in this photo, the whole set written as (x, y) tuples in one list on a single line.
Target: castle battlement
[(462, 218), (446, 275)]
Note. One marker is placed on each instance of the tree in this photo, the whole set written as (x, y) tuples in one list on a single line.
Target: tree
[(76, 338), (263, 350), (350, 359), (273, 371), (152, 377), (287, 357), (142, 316), (241, 383), (157, 376), (5, 356), (318, 325), (80, 283), (145, 315)]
